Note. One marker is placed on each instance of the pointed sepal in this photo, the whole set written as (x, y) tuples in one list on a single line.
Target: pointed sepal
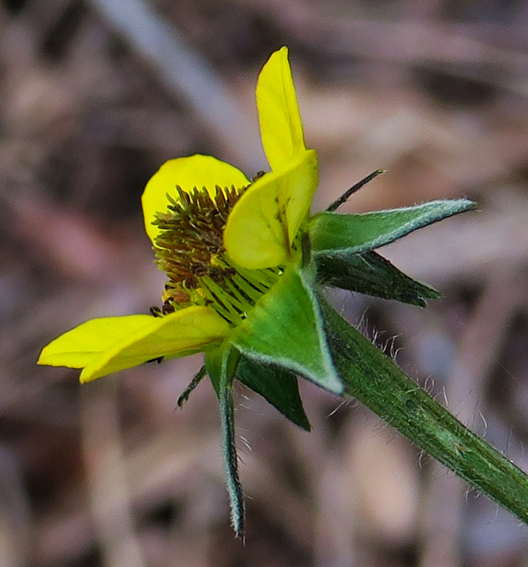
[(285, 329), (335, 234), (371, 274), (221, 364), (278, 386)]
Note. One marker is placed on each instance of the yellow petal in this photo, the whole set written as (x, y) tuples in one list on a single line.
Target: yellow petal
[(187, 172), (264, 222), (280, 121), (107, 345), (80, 346)]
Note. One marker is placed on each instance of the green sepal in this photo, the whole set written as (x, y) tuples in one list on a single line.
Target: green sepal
[(333, 233), (213, 361), (278, 386), (285, 329), (371, 274), (374, 379), (221, 365)]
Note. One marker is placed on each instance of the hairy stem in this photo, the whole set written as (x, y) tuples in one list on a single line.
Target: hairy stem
[(377, 382)]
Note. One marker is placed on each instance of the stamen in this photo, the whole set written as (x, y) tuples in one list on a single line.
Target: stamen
[(253, 293), (261, 280), (243, 298), (223, 303)]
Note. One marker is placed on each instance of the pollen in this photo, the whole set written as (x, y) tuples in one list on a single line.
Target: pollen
[(190, 250)]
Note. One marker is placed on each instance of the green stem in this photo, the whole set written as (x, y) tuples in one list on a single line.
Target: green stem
[(377, 382)]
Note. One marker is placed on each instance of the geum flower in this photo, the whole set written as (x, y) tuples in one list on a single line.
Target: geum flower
[(245, 263)]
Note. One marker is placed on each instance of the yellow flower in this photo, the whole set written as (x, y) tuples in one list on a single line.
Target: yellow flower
[(223, 240), (245, 264)]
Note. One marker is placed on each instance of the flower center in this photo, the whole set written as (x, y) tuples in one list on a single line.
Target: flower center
[(190, 250)]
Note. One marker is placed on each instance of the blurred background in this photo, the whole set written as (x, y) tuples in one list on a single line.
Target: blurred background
[(94, 96)]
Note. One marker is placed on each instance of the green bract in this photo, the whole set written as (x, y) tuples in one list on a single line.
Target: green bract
[(245, 265)]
